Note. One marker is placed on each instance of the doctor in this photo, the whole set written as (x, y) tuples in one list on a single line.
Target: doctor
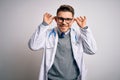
[(63, 46)]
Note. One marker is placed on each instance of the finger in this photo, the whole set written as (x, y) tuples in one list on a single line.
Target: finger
[(79, 19), (49, 15), (45, 14), (76, 19), (85, 17), (82, 18), (53, 17)]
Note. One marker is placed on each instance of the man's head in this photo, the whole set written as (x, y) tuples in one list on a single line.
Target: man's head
[(65, 17)]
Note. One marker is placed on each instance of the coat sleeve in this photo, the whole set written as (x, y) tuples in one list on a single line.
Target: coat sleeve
[(37, 40), (88, 41)]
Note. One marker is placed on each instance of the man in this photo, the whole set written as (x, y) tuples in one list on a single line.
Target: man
[(63, 46)]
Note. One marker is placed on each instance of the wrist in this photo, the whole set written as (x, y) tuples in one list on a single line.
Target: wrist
[(86, 27), (44, 23)]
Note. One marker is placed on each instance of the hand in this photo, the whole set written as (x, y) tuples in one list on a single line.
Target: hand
[(48, 18), (81, 21)]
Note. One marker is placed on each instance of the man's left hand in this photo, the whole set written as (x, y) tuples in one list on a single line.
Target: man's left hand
[(81, 21)]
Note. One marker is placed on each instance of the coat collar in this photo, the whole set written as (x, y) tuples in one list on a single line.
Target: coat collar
[(73, 34)]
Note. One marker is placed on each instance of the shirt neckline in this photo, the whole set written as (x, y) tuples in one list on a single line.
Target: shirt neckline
[(65, 32)]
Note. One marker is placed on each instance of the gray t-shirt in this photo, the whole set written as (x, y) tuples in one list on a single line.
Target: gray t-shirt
[(64, 66)]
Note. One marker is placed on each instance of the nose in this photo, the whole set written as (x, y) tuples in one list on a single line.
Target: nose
[(63, 22)]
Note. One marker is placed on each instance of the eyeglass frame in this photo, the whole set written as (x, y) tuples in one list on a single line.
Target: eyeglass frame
[(67, 20)]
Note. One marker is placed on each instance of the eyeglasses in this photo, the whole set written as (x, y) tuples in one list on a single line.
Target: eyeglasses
[(67, 20)]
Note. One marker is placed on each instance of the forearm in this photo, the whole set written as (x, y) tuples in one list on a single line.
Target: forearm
[(88, 41), (37, 40)]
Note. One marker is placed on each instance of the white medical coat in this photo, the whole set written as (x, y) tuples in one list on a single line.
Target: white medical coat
[(82, 42)]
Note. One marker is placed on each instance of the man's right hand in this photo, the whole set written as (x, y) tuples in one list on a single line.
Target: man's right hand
[(48, 18)]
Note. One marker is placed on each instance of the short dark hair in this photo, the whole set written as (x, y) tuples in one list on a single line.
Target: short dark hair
[(66, 8)]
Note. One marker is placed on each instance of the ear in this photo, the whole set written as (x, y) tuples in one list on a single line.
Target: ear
[(55, 18), (72, 21)]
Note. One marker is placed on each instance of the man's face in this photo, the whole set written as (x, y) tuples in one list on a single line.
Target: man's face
[(64, 20)]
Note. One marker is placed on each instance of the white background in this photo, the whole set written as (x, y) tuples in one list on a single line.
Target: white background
[(20, 18)]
